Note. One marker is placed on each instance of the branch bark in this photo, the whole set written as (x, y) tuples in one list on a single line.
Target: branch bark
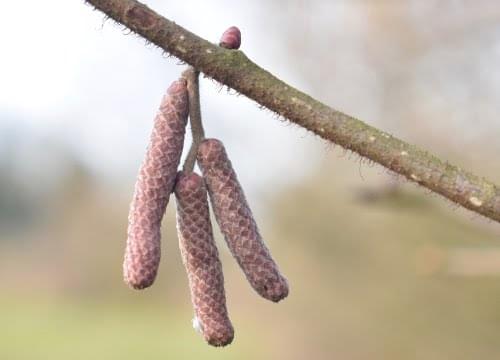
[(233, 69)]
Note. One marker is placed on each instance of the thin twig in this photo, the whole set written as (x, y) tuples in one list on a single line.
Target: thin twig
[(233, 69), (198, 134)]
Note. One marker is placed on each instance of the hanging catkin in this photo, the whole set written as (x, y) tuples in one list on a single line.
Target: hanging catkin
[(154, 184), (236, 222), (201, 260)]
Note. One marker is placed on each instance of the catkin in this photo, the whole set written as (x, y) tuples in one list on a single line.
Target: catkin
[(154, 184), (236, 222), (201, 260)]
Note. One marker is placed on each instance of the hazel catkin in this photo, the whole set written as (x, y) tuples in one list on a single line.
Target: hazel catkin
[(154, 184), (201, 260), (237, 224)]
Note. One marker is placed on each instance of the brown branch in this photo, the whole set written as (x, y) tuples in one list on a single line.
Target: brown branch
[(233, 69)]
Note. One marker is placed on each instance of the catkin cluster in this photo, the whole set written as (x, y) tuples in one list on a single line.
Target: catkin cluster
[(159, 177)]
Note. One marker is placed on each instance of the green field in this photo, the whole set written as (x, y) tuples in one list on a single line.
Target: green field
[(62, 329)]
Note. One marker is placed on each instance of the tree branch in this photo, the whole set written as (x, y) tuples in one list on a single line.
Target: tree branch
[(233, 69)]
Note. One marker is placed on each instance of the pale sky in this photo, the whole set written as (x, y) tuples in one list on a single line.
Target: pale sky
[(67, 76)]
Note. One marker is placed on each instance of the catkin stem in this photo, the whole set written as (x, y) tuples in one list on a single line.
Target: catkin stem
[(197, 131)]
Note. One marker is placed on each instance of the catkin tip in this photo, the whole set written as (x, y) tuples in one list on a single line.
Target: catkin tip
[(277, 291), (139, 272), (220, 338), (139, 285)]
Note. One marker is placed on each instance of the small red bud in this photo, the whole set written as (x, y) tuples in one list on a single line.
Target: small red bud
[(231, 39)]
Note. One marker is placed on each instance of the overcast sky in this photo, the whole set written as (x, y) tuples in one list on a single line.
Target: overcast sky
[(421, 70), (69, 77)]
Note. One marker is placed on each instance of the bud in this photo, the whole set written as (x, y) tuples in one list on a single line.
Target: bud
[(153, 187), (231, 39), (201, 260), (236, 222)]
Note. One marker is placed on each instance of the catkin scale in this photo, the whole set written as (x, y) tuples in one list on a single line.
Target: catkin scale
[(201, 260), (154, 184), (237, 224), (231, 38)]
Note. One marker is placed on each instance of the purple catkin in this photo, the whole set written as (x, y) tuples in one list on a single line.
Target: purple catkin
[(154, 184), (231, 38), (237, 224), (201, 260)]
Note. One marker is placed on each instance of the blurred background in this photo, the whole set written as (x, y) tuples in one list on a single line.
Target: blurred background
[(378, 268)]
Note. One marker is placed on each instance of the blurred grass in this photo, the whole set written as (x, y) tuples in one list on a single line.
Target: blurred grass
[(368, 261), (373, 275), (62, 329)]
